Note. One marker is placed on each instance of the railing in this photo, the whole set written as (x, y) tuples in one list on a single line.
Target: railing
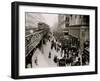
[(33, 41)]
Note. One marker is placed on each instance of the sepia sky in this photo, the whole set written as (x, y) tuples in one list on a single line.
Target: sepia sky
[(32, 19), (50, 19)]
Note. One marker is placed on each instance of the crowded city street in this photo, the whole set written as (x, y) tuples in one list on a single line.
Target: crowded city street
[(56, 44)]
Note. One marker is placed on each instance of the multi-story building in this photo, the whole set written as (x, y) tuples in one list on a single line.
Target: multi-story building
[(76, 26)]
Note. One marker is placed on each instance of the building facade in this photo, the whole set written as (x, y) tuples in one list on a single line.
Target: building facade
[(76, 26)]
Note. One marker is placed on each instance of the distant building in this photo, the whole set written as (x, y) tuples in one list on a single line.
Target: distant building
[(76, 26), (31, 21)]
